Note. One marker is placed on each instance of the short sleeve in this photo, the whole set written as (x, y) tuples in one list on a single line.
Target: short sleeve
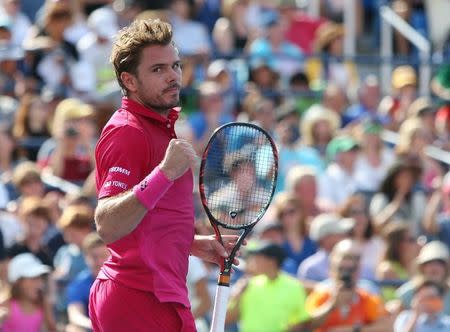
[(315, 300), (373, 308), (122, 160), (301, 314)]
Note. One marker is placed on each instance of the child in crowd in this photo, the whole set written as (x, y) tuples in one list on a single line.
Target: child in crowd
[(25, 308)]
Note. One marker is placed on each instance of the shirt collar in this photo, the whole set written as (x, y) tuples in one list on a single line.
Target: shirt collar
[(134, 107)]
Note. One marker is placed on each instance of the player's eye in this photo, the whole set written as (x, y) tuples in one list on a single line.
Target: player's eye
[(157, 69)]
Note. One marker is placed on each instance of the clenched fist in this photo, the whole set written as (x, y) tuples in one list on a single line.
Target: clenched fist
[(180, 155)]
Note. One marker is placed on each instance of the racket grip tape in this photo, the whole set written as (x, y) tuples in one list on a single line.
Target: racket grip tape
[(152, 188), (220, 308)]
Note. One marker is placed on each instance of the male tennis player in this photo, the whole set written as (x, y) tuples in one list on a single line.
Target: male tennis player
[(145, 212)]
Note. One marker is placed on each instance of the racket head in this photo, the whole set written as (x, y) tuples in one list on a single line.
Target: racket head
[(238, 173)]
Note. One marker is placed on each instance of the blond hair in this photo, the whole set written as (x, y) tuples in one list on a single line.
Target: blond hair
[(131, 40), (76, 216), (296, 174)]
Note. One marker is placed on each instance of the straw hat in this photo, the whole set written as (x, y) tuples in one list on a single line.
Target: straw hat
[(440, 84), (313, 115), (420, 106), (326, 33)]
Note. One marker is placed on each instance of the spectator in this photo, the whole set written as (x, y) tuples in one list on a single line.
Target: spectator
[(20, 24), (339, 180), (436, 222), (301, 181), (326, 230), (27, 307), (210, 114), (412, 142), (191, 37), (300, 90), (369, 96), (318, 126), (249, 303), (342, 304), (423, 109), (395, 106), (433, 265), (397, 197), (296, 242), (263, 114), (55, 62), (440, 86), (95, 48), (95, 253), (426, 311), (273, 47), (335, 98), (69, 153), (75, 223), (301, 26), (31, 125), (35, 219), (290, 152), (11, 77), (397, 262), (263, 79), (237, 28), (329, 44), (374, 158), (8, 160), (27, 181), (355, 207)]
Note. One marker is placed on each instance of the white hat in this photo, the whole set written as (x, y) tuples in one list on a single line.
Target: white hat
[(104, 22), (329, 224), (25, 266), (434, 250)]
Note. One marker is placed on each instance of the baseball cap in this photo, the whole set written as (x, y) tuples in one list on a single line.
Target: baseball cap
[(371, 126), (268, 249), (25, 265), (403, 76), (329, 224), (434, 250), (340, 144)]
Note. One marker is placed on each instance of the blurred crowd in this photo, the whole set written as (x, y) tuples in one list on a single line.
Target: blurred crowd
[(357, 237)]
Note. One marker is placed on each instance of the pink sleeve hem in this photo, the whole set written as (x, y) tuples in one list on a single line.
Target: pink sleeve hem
[(151, 189)]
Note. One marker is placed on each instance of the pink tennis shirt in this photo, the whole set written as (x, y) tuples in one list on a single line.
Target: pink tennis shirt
[(153, 257)]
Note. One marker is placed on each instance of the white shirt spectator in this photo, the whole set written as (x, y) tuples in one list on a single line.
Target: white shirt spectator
[(190, 37), (336, 185), (368, 177), (20, 24)]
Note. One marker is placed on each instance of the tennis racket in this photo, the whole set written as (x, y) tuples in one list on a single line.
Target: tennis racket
[(237, 180)]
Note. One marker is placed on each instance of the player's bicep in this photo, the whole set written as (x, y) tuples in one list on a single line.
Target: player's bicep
[(122, 161)]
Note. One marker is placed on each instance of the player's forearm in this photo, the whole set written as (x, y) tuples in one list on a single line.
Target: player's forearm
[(118, 216)]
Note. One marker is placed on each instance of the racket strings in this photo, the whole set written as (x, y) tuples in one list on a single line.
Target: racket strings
[(239, 175)]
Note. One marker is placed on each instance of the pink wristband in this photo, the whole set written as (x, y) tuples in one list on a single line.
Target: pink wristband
[(150, 190)]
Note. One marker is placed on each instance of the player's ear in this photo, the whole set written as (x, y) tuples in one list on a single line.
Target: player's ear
[(129, 80)]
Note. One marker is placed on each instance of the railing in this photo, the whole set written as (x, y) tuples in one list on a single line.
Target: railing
[(391, 20), (431, 151)]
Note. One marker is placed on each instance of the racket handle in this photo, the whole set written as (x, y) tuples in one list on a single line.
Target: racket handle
[(220, 308)]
